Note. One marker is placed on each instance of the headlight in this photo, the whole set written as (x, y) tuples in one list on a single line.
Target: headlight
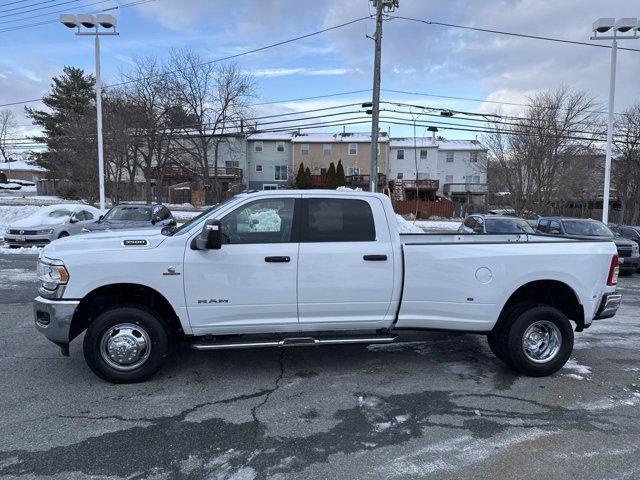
[(47, 231), (52, 273), (635, 250)]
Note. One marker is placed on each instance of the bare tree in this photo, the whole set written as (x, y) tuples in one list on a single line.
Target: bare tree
[(215, 101), (8, 126), (152, 113), (626, 165), (532, 151)]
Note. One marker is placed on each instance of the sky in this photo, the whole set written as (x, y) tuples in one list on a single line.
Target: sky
[(416, 57)]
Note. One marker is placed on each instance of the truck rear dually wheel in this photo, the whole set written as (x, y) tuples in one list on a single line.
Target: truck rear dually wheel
[(539, 341), (126, 344)]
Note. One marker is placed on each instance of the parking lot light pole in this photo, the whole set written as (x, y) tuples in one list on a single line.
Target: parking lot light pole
[(600, 26), (93, 23)]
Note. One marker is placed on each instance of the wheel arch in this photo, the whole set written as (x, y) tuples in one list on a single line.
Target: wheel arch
[(119, 294), (554, 293)]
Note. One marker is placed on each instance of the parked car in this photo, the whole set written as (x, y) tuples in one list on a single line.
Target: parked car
[(300, 267), (131, 216), (478, 223), (628, 251), (630, 233), (50, 223)]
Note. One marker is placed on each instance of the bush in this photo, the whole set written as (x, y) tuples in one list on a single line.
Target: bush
[(68, 192), (3, 178)]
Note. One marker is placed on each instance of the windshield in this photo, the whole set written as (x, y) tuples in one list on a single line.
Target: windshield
[(129, 213), (185, 227), (507, 225), (60, 213), (587, 228)]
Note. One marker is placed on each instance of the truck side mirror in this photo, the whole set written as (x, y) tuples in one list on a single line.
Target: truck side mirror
[(210, 238)]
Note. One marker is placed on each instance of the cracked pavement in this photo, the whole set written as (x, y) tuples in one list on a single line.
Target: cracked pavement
[(434, 406)]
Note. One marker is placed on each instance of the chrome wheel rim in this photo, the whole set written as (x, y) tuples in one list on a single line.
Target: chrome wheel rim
[(125, 346), (541, 342)]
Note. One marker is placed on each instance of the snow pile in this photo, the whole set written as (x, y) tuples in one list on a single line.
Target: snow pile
[(10, 186), (347, 189), (9, 214), (450, 225), (407, 227), (21, 251)]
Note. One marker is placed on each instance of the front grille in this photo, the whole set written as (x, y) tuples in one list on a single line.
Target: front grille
[(28, 241), (23, 232), (624, 251)]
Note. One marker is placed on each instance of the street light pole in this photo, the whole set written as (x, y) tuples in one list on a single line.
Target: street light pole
[(607, 166), (600, 26), (99, 123), (93, 23), (375, 109)]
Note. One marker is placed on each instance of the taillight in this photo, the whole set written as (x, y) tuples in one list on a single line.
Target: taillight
[(613, 272)]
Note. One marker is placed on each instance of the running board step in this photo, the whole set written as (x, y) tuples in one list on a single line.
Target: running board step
[(294, 342)]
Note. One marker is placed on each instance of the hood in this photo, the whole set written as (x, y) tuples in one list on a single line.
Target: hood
[(38, 222), (103, 241), (116, 225), (623, 242)]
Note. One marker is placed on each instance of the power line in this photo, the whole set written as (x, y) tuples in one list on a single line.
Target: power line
[(229, 57), (40, 8), (24, 6), (52, 13), (511, 34)]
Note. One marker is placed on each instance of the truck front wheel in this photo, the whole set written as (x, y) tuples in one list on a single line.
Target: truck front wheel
[(126, 344), (539, 341)]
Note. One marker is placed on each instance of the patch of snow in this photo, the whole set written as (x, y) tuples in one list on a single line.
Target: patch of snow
[(407, 227), (580, 371), (21, 251), (10, 186), (427, 225)]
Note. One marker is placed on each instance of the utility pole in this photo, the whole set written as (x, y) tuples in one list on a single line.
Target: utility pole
[(382, 6)]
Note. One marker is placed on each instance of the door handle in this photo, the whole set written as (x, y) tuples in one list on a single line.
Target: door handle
[(277, 259), (375, 258)]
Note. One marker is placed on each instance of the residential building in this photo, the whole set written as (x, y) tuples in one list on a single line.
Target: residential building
[(269, 165), (318, 150), (459, 167), (21, 170)]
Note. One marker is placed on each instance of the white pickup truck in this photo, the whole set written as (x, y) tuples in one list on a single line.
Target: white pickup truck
[(301, 268)]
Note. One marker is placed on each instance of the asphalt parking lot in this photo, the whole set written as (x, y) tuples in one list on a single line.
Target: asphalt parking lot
[(435, 406)]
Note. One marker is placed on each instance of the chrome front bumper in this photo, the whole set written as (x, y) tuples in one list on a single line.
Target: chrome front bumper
[(608, 306), (53, 319)]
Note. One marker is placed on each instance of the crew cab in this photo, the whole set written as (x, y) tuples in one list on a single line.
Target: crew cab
[(306, 268)]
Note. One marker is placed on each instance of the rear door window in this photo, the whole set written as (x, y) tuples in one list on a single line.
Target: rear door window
[(338, 220)]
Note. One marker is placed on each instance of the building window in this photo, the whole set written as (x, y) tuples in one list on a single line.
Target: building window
[(476, 179), (326, 149), (281, 172), (353, 171), (269, 186), (423, 154), (304, 148), (400, 155), (400, 175), (448, 179), (474, 157), (353, 149), (257, 147), (280, 146), (258, 168), (232, 164), (449, 157)]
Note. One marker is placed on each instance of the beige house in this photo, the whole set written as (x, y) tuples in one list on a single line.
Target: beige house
[(318, 150), (21, 170)]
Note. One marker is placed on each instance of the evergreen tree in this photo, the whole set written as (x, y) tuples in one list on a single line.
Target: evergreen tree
[(330, 178), (300, 177), (69, 127), (340, 180)]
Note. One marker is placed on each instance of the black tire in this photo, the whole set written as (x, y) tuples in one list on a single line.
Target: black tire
[(63, 234), (498, 338), (143, 322), (521, 361)]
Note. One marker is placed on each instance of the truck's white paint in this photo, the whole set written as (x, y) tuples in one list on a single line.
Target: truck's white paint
[(449, 281)]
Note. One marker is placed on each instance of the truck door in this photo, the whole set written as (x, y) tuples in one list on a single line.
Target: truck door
[(346, 263), (251, 281)]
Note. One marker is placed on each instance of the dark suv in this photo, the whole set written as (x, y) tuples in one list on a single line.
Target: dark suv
[(628, 253), (133, 216)]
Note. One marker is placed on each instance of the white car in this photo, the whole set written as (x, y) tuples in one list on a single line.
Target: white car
[(50, 223), (298, 268)]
